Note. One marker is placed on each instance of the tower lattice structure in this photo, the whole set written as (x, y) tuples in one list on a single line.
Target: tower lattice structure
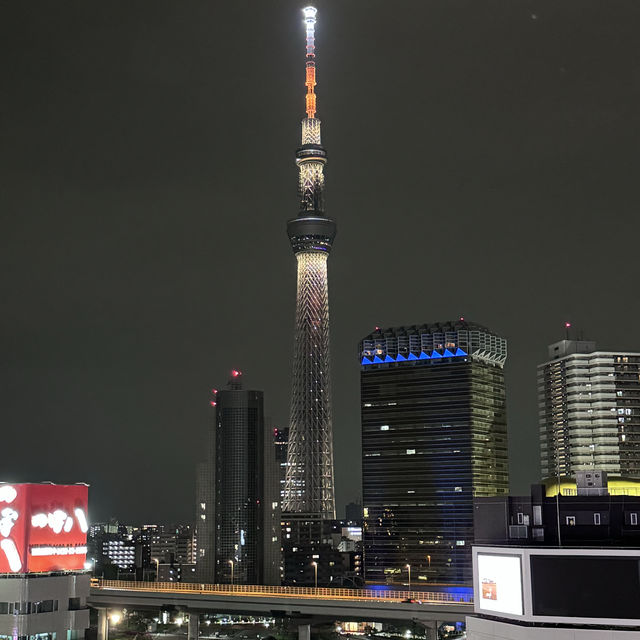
[(309, 489)]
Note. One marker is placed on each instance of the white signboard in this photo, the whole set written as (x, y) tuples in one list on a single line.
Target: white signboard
[(500, 584)]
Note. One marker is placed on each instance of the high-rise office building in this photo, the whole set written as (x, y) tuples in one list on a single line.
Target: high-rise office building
[(309, 491), (242, 546), (589, 411), (434, 435)]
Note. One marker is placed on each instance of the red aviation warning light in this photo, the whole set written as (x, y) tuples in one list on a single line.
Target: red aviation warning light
[(310, 22)]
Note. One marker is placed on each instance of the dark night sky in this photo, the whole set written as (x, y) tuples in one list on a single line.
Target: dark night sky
[(483, 162)]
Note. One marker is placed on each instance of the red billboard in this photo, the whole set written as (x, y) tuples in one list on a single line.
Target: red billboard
[(43, 527)]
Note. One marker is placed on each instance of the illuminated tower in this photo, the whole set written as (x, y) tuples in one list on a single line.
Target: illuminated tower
[(309, 481)]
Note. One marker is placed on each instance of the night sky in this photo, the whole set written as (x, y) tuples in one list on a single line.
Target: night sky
[(483, 162)]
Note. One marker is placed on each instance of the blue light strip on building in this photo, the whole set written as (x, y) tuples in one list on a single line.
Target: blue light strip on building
[(412, 356)]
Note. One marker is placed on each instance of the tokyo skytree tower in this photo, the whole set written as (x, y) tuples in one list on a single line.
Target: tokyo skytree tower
[(309, 479)]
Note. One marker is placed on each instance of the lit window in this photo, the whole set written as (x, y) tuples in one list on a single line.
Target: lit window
[(384, 427), (596, 518), (411, 452)]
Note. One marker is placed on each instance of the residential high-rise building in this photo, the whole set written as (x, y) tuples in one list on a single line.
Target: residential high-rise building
[(589, 411), (309, 490), (434, 435), (243, 544)]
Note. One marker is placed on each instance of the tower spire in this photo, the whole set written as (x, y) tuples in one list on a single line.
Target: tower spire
[(310, 22), (311, 156)]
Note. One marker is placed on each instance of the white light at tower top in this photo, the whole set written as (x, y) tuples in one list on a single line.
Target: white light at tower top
[(310, 13)]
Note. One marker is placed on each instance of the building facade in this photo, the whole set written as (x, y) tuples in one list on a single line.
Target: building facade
[(280, 444), (584, 519), (589, 411), (242, 544), (434, 435)]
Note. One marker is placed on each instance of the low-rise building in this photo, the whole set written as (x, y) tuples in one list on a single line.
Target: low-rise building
[(588, 516)]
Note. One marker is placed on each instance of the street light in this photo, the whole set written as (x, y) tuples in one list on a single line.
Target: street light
[(409, 570), (115, 617), (315, 569), (231, 563)]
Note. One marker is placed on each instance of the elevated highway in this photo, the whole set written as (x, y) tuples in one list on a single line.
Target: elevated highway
[(302, 603)]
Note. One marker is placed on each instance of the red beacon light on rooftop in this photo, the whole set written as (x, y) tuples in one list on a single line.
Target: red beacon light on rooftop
[(235, 373)]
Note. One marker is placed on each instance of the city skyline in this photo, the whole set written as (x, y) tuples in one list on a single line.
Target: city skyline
[(144, 255)]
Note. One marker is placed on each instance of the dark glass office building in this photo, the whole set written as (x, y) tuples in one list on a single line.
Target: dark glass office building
[(241, 529), (434, 436)]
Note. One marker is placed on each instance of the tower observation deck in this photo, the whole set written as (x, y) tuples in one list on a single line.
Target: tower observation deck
[(309, 489)]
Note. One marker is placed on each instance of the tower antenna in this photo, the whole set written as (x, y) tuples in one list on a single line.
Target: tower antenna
[(310, 23)]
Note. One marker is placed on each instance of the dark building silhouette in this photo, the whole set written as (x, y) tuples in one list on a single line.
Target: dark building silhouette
[(434, 435), (324, 550), (353, 512), (239, 541), (588, 518)]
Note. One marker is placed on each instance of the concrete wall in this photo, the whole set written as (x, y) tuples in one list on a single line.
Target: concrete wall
[(38, 588), (482, 629)]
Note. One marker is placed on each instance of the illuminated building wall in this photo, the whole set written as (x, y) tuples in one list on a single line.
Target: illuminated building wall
[(589, 410), (281, 443), (434, 435), (43, 546), (309, 490)]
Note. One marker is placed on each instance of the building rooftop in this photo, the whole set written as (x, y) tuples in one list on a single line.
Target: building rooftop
[(426, 342), (447, 326)]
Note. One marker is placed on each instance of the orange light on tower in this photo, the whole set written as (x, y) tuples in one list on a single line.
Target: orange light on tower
[(310, 21), (311, 105)]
